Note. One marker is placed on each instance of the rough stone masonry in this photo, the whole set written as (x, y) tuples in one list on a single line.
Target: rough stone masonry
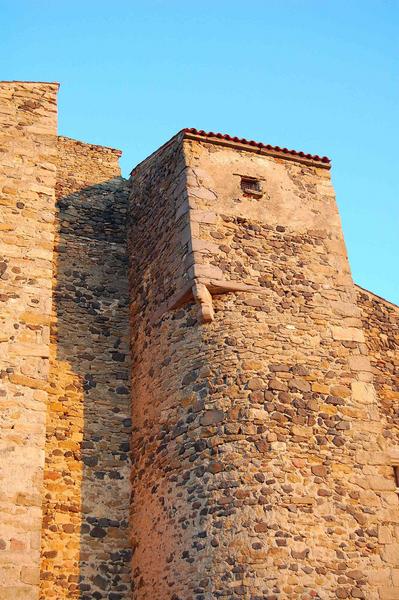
[(197, 402)]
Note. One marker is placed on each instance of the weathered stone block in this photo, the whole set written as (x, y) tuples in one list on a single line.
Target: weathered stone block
[(390, 554), (363, 392), (347, 334)]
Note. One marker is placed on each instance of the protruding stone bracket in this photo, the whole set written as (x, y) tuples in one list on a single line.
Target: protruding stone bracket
[(221, 286), (214, 287), (201, 291), (203, 298)]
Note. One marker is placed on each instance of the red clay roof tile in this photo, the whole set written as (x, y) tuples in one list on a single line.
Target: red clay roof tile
[(202, 133)]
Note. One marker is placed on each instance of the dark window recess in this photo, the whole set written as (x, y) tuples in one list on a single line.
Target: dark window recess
[(396, 474), (251, 185)]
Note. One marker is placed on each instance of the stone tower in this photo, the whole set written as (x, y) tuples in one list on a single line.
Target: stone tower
[(262, 457), (64, 391), (260, 392)]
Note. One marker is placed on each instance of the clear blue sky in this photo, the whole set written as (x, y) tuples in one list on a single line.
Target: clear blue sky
[(319, 76)]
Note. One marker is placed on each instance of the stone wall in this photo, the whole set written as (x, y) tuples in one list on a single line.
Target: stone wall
[(265, 385), (86, 500), (165, 344), (381, 328), (28, 122), (254, 408)]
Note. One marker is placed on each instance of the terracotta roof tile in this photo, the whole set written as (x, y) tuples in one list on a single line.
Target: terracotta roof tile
[(229, 138)]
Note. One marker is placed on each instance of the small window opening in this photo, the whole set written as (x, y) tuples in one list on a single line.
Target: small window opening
[(396, 475), (251, 186)]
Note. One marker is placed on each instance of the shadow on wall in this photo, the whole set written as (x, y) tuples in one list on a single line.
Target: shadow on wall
[(85, 538)]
